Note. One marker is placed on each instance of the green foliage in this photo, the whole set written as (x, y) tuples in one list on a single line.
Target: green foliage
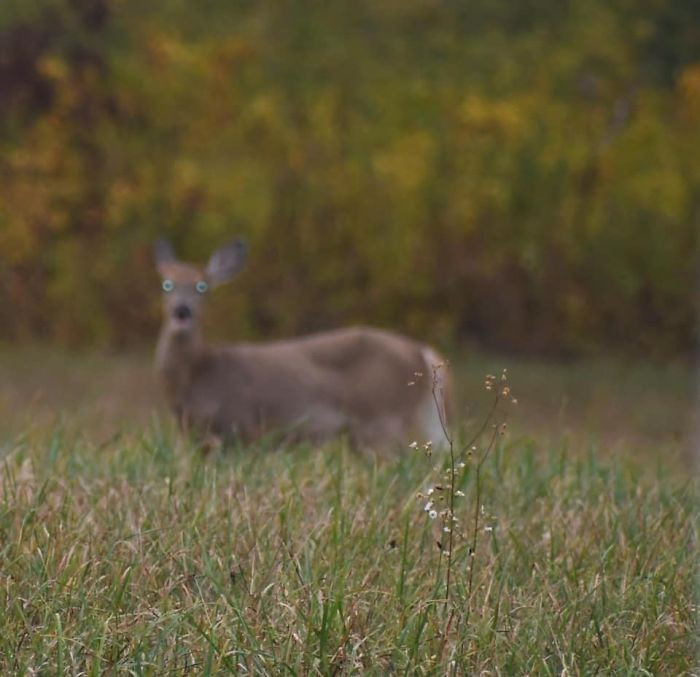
[(522, 173)]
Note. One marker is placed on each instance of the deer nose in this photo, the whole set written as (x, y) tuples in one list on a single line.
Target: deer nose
[(182, 312)]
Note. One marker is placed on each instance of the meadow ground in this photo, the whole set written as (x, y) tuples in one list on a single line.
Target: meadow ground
[(122, 551)]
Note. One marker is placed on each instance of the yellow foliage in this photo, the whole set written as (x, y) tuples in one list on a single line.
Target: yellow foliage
[(521, 173), (407, 162), (689, 90), (502, 119)]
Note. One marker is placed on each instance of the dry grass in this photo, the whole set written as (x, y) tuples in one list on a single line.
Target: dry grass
[(591, 401), (122, 551)]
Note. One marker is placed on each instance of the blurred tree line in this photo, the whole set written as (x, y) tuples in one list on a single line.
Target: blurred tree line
[(523, 173)]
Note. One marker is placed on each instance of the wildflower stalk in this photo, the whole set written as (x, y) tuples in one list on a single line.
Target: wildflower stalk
[(448, 515), (439, 405)]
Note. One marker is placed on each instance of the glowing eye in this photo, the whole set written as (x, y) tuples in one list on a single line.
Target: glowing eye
[(168, 285), (201, 286)]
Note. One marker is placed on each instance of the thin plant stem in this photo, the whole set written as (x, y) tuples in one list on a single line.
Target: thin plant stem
[(440, 407), (475, 533)]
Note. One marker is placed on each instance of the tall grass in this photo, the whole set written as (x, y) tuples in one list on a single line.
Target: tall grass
[(135, 556)]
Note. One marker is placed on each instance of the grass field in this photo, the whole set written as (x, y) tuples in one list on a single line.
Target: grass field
[(122, 551)]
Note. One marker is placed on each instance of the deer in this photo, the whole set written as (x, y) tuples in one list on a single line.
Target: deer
[(374, 386)]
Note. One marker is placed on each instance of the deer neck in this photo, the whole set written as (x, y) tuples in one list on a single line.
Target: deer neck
[(177, 354)]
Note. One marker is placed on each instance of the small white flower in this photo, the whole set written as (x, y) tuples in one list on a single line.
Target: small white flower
[(413, 445), (459, 492), (428, 506), (432, 514), (430, 491), (446, 530), (488, 528), (461, 464)]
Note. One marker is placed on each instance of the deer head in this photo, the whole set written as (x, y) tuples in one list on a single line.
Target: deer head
[(185, 285)]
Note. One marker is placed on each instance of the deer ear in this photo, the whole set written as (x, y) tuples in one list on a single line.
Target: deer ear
[(163, 252), (226, 262)]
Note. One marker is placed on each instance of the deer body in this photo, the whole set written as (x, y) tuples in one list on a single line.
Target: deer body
[(353, 381)]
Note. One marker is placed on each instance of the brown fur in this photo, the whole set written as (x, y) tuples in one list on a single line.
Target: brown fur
[(353, 381)]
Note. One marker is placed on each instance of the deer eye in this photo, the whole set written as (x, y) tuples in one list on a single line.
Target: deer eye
[(168, 285), (201, 286)]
